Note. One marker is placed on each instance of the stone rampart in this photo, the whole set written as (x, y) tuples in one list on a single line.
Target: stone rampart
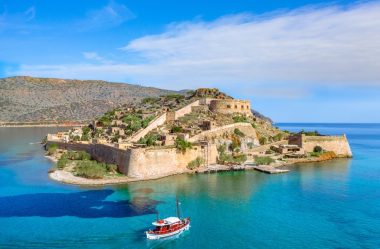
[(230, 106), (145, 163), (246, 128), (338, 144)]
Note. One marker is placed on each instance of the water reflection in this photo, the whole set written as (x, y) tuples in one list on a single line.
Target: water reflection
[(87, 204)]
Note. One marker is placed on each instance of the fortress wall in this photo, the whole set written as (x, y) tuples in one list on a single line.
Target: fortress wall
[(154, 163), (100, 152), (230, 106), (246, 128), (185, 110), (71, 146), (337, 144), (144, 163), (153, 125)]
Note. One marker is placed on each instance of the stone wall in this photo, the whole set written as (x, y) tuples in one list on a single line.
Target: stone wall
[(145, 163), (159, 162), (246, 128), (153, 125), (230, 106), (338, 144)]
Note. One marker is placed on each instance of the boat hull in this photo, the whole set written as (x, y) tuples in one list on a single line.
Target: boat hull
[(153, 236)]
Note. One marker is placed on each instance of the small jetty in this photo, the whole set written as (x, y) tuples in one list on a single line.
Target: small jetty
[(269, 169)]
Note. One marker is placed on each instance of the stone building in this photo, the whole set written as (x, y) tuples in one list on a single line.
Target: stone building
[(230, 106)]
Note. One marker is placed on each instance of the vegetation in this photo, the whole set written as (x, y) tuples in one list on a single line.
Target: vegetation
[(250, 145), (182, 144), (239, 132), (177, 129), (90, 169), (277, 137), (135, 122), (62, 162), (76, 155), (230, 159), (177, 97), (263, 140), (317, 149), (150, 100), (84, 166), (235, 143), (52, 148), (195, 163), (263, 160), (310, 133), (240, 119), (149, 139)]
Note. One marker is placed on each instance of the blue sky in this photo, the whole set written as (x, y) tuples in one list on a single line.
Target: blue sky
[(301, 61)]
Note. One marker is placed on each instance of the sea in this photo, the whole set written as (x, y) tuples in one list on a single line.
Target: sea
[(333, 204)]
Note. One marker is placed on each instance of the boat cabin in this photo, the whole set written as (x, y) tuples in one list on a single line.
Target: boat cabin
[(167, 225)]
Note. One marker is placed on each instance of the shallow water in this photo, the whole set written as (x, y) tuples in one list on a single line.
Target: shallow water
[(327, 205)]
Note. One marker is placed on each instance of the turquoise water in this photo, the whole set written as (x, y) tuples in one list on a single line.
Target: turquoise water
[(327, 205)]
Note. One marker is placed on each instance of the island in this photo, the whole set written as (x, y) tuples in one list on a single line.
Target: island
[(198, 131)]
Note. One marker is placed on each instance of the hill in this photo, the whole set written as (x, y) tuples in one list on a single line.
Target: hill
[(28, 99)]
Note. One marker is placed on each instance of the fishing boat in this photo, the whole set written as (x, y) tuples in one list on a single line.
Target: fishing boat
[(168, 227)]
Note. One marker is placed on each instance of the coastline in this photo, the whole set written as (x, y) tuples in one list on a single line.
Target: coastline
[(68, 178)]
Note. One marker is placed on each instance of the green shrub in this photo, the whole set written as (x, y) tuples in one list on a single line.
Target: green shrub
[(254, 125), (147, 120), (317, 149), (62, 162), (177, 129), (277, 137), (263, 140), (76, 155), (149, 139), (90, 169), (150, 100), (231, 159), (182, 145), (239, 132), (86, 130), (174, 97), (111, 167), (263, 160), (250, 145), (315, 154), (195, 163), (52, 149), (240, 119)]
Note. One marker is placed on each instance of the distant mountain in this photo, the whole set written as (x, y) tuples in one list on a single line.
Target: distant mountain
[(28, 99)]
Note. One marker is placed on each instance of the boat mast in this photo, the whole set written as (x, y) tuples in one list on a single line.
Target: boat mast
[(178, 209)]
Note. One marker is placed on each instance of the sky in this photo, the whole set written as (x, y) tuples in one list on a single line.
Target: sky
[(296, 60)]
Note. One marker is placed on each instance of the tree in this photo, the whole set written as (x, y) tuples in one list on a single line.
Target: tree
[(317, 149)]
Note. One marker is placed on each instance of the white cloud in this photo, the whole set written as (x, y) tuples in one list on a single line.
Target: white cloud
[(113, 14), (96, 57), (331, 45)]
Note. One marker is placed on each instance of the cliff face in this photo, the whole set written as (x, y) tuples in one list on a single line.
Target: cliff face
[(36, 99)]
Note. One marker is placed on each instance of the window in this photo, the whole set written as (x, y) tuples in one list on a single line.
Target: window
[(235, 106), (247, 106), (242, 107), (228, 106)]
